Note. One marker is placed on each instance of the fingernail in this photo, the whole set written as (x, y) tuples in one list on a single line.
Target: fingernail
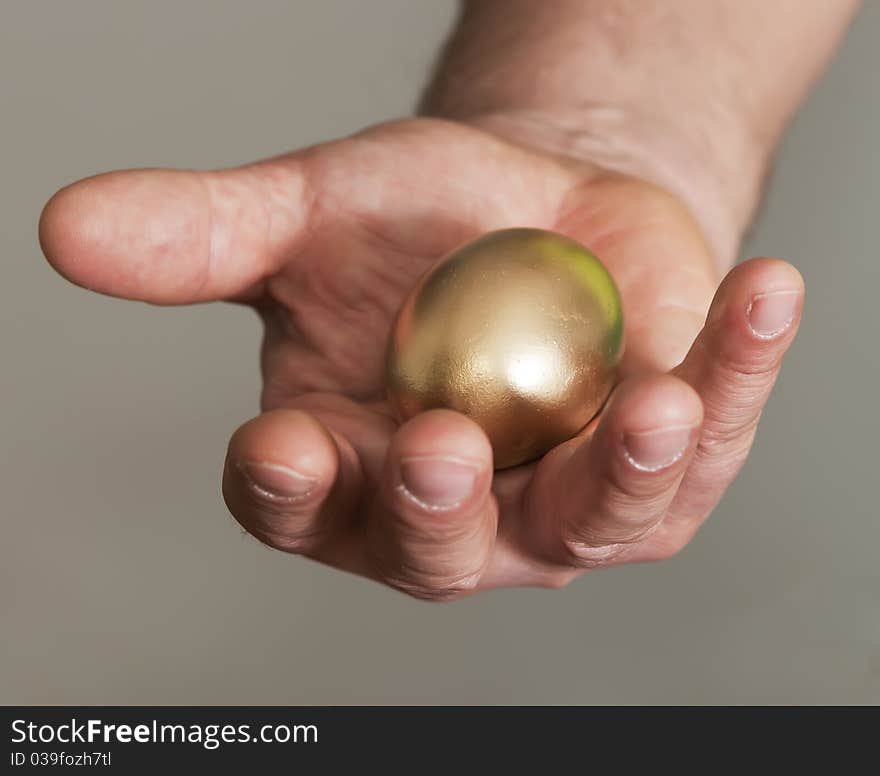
[(771, 314), (650, 451), (276, 482), (437, 482)]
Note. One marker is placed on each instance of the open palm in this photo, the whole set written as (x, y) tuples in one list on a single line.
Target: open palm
[(327, 242)]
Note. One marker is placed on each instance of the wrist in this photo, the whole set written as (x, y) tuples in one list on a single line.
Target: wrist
[(717, 172)]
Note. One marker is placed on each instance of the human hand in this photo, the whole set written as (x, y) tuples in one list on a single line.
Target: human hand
[(327, 242)]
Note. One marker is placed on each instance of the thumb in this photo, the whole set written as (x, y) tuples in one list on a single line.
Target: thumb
[(177, 236)]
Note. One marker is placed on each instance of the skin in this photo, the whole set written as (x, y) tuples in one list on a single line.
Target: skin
[(326, 242)]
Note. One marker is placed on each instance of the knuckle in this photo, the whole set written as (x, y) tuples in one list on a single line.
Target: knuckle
[(272, 526), (438, 589), (726, 445), (610, 533), (732, 412), (439, 559), (758, 367), (443, 558), (583, 555), (294, 531), (426, 574), (630, 489), (295, 544)]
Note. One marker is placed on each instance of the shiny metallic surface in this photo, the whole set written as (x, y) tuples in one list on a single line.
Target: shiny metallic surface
[(521, 330)]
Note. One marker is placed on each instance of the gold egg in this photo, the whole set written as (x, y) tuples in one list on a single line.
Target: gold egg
[(521, 330)]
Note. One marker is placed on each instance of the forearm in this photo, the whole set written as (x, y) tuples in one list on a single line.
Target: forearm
[(690, 94)]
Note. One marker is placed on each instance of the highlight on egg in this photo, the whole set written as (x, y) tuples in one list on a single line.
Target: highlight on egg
[(521, 330)]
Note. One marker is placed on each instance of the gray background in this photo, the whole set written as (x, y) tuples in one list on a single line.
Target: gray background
[(123, 579)]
